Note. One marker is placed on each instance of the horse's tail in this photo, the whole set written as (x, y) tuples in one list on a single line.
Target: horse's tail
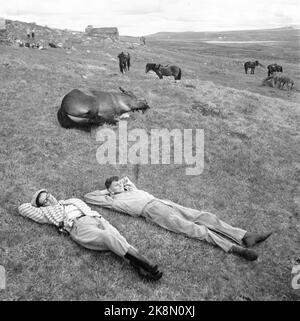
[(179, 75)]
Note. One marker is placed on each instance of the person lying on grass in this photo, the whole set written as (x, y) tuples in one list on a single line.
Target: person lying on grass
[(123, 196), (86, 227)]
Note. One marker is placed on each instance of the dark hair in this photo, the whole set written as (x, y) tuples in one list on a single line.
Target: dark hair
[(110, 180), (37, 202)]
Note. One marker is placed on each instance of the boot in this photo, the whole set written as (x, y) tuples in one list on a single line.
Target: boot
[(250, 239), (148, 275), (143, 266), (138, 260), (247, 254)]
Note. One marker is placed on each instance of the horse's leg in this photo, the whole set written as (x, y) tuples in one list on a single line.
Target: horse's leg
[(178, 76)]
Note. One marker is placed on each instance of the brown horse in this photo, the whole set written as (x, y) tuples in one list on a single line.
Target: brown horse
[(79, 110), (164, 70), (124, 62), (251, 65), (274, 68), (279, 82)]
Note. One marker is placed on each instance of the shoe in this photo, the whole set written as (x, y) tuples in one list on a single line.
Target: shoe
[(250, 239), (138, 260), (247, 254), (148, 276)]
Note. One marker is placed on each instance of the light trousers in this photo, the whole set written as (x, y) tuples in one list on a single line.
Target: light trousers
[(98, 234), (193, 223)]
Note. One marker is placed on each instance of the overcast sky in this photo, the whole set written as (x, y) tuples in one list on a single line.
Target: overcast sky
[(142, 17)]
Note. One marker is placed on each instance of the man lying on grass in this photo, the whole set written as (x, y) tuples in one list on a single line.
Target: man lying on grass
[(123, 196), (86, 227)]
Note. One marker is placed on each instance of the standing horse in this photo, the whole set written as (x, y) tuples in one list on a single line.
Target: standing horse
[(274, 68), (79, 110), (124, 62), (251, 65), (164, 70)]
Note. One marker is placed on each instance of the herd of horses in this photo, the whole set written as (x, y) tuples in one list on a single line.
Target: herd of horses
[(160, 70), (79, 110), (271, 68), (273, 79)]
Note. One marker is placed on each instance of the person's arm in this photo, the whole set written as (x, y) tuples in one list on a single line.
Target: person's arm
[(35, 213), (127, 183), (98, 197)]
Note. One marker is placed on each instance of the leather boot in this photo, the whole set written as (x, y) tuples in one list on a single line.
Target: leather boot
[(138, 260), (250, 239), (143, 266), (247, 254)]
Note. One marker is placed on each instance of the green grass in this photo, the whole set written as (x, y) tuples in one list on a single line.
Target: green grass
[(250, 180)]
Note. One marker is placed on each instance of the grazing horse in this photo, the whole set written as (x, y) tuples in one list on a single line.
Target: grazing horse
[(124, 62), (274, 68), (79, 110), (164, 70), (251, 65)]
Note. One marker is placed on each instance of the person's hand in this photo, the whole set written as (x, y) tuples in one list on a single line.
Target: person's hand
[(124, 180)]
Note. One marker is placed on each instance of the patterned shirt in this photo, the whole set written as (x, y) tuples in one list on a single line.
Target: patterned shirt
[(65, 211)]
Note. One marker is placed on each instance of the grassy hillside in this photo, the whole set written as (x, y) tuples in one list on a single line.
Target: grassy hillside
[(250, 179)]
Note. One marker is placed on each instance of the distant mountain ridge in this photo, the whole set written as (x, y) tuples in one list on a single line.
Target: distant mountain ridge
[(288, 33)]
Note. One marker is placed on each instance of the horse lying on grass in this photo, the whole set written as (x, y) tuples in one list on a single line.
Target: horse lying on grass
[(279, 82), (79, 110), (164, 70)]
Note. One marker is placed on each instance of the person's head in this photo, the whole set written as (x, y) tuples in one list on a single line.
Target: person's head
[(114, 185), (43, 198)]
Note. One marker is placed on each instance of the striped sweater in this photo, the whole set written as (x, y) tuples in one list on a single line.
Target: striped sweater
[(55, 214)]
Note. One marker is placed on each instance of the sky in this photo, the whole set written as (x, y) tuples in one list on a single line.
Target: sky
[(143, 17)]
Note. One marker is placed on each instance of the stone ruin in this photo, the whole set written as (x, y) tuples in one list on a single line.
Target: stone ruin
[(102, 33), (3, 31), (12, 32)]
